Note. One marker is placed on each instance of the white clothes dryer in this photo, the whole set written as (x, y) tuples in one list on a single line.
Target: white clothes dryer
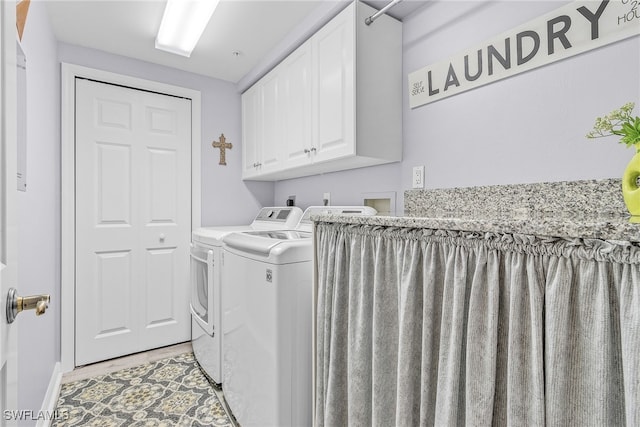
[(267, 323), (206, 276)]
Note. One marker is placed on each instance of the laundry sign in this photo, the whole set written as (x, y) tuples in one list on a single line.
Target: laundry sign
[(575, 28)]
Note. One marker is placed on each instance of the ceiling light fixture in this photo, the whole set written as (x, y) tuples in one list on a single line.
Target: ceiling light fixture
[(182, 25)]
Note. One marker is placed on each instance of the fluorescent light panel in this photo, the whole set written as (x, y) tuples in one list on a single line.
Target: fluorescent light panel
[(182, 25)]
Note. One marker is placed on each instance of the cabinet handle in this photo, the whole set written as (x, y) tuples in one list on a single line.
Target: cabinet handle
[(313, 149), (307, 151), (255, 165)]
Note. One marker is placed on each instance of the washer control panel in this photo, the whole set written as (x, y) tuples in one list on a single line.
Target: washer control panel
[(289, 216)]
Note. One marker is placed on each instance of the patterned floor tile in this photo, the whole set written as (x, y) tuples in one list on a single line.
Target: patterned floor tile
[(168, 392)]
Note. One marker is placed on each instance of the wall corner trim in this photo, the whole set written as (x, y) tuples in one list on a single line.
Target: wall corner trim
[(51, 397)]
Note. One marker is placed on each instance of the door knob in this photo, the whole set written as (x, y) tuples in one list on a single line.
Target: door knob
[(16, 304)]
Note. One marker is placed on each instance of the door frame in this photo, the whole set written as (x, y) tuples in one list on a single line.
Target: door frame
[(69, 73)]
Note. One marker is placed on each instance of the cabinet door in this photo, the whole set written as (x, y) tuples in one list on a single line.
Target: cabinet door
[(270, 140), (334, 91), (296, 107), (251, 128)]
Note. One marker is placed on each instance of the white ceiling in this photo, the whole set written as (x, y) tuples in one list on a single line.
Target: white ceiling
[(251, 27)]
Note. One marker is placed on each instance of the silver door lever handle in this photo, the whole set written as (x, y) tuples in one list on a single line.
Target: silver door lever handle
[(16, 304)]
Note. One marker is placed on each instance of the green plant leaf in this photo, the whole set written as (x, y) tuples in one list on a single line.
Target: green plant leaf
[(619, 122)]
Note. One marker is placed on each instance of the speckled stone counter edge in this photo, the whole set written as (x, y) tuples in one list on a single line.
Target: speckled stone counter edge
[(582, 197), (577, 209)]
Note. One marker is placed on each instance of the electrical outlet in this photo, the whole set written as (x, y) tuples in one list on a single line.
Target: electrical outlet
[(326, 199), (418, 177)]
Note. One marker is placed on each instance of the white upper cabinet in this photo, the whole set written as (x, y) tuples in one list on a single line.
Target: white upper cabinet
[(262, 127), (297, 108), (334, 88), (272, 108), (335, 103), (251, 128)]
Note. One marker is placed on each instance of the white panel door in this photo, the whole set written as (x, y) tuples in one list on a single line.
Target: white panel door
[(296, 107), (334, 96), (8, 206), (270, 139), (251, 128), (133, 220)]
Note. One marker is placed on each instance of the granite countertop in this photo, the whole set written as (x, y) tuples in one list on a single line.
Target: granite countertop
[(569, 209), (604, 227)]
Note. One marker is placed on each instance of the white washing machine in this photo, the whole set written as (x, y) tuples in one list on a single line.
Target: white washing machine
[(267, 309), (206, 276)]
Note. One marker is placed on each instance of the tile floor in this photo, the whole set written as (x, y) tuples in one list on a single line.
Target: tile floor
[(113, 365)]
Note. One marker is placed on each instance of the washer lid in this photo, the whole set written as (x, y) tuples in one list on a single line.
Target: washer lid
[(280, 234), (266, 242), (213, 235), (272, 218)]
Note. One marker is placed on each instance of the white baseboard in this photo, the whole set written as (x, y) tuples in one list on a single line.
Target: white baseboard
[(51, 397)]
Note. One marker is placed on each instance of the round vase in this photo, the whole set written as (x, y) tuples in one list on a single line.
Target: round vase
[(630, 190)]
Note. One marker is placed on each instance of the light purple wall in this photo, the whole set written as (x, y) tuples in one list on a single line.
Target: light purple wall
[(226, 199), (39, 212), (346, 187), (527, 128)]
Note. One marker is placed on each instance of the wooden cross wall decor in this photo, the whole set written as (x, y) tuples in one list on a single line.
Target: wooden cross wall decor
[(222, 145)]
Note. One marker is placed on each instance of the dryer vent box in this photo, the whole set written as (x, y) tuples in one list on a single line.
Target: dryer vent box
[(384, 203)]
